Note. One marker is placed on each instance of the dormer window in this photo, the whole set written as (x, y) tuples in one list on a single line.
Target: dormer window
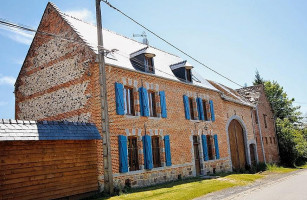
[(149, 64), (188, 75), (183, 71), (143, 60)]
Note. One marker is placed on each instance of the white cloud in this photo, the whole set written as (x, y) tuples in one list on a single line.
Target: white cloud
[(17, 35), (7, 80), (83, 14)]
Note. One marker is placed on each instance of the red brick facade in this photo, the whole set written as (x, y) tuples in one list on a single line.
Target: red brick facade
[(46, 92)]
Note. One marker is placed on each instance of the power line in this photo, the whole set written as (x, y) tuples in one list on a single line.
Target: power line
[(164, 40), (15, 26)]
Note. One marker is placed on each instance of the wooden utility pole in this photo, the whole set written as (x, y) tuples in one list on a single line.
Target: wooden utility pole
[(107, 162)]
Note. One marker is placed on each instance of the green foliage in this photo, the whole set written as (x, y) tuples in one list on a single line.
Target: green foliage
[(292, 144), (280, 102), (258, 79)]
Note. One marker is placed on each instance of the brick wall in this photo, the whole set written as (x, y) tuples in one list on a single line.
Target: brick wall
[(268, 133)]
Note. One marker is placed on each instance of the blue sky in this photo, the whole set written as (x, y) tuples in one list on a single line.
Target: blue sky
[(233, 37)]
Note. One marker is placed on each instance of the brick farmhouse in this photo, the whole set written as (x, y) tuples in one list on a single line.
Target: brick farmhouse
[(166, 121)]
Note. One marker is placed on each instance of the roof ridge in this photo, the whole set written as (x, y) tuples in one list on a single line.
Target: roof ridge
[(253, 86), (63, 13)]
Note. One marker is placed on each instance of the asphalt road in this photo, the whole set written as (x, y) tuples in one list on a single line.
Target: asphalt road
[(292, 186), (289, 188)]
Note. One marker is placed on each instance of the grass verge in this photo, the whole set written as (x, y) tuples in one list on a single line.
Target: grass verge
[(187, 189), (196, 187)]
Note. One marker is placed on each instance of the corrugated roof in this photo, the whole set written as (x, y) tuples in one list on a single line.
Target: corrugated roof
[(14, 130), (126, 47)]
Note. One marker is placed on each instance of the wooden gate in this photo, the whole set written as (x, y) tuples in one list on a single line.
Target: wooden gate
[(237, 147)]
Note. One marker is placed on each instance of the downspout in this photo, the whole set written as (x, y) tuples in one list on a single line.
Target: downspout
[(254, 132), (262, 146)]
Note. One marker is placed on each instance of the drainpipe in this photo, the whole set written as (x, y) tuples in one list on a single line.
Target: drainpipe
[(259, 126)]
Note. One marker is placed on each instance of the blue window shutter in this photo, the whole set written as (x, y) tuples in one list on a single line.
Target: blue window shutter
[(200, 109), (216, 144), (205, 147), (186, 107), (163, 104), (144, 107), (123, 154), (147, 152), (212, 110), (119, 96), (167, 148)]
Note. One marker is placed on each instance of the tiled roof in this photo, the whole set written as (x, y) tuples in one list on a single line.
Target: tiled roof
[(231, 94), (125, 48), (252, 94), (11, 130)]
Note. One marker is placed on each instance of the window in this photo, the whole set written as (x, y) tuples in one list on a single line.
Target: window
[(129, 101), (156, 151), (256, 118), (188, 75), (264, 118), (271, 140), (133, 153), (210, 147), (205, 110), (266, 140), (191, 108), (274, 140), (149, 64), (152, 104)]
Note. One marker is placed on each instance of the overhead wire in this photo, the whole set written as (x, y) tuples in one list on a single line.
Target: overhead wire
[(164, 40)]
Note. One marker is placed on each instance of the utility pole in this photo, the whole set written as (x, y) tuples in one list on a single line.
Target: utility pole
[(107, 162)]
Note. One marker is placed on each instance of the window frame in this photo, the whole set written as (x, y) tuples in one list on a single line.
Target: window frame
[(133, 152), (188, 75), (149, 64), (265, 122), (152, 104), (210, 147), (129, 99), (206, 118), (156, 154), (191, 106), (256, 118)]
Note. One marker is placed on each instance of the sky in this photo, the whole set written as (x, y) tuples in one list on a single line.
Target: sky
[(233, 37)]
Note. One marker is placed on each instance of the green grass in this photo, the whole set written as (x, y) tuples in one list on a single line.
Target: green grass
[(273, 168), (187, 189)]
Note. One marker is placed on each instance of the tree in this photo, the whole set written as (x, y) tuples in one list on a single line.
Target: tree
[(258, 79), (281, 104)]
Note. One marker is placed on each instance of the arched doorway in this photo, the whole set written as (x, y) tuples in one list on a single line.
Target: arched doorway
[(237, 145)]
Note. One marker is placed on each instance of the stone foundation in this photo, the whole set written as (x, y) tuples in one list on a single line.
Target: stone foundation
[(144, 178)]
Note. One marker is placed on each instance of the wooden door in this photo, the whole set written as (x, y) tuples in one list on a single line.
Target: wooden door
[(196, 154), (237, 146)]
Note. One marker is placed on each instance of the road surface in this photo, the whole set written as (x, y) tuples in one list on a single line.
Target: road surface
[(289, 187)]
